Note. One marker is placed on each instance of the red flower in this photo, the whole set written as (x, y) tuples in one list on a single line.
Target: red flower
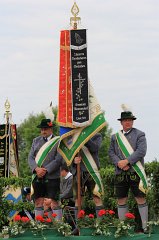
[(39, 218), (46, 214), (17, 218), (111, 212), (101, 212), (91, 215), (107, 211), (81, 214), (54, 215), (25, 219), (130, 215), (48, 220)]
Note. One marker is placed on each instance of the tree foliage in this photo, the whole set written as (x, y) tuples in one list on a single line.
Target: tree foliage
[(25, 134), (103, 152)]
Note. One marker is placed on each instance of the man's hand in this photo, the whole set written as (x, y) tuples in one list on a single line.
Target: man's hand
[(40, 172), (123, 163), (126, 168), (77, 159)]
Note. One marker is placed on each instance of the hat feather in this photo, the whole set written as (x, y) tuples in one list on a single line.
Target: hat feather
[(49, 112), (125, 108)]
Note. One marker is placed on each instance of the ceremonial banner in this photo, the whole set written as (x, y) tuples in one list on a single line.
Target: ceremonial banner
[(9, 162), (64, 117), (13, 195), (8, 151), (4, 150), (79, 77), (13, 151), (79, 114), (72, 140), (73, 107)]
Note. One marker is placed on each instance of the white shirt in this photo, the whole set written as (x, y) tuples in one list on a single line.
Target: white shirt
[(68, 175), (48, 138), (126, 132)]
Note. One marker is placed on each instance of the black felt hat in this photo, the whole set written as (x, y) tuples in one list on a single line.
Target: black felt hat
[(126, 115), (45, 123), (26, 191)]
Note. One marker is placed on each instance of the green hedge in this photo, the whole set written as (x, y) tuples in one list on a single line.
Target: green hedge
[(5, 205), (152, 171)]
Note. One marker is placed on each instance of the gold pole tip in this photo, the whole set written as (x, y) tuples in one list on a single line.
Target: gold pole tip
[(7, 106), (74, 20)]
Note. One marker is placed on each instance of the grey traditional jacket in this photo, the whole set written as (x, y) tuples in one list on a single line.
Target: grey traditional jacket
[(93, 145), (53, 160), (66, 190), (137, 140)]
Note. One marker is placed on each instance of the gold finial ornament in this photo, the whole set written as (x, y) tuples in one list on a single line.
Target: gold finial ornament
[(74, 20), (7, 110), (7, 106)]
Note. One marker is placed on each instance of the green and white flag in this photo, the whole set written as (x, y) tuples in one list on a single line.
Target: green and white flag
[(92, 168), (73, 140), (127, 150)]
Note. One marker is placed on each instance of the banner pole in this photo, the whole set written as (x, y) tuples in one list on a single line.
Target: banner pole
[(7, 127), (73, 21), (79, 186)]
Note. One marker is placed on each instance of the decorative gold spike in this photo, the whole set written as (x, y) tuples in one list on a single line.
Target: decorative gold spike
[(75, 9), (7, 106), (74, 20), (7, 110)]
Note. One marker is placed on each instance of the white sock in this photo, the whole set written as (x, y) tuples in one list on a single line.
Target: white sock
[(58, 211), (122, 210), (143, 210), (39, 211)]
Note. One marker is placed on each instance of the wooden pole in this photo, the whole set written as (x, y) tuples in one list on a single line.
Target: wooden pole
[(79, 186)]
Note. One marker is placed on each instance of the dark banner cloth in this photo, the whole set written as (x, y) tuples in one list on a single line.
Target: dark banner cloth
[(80, 91), (4, 150)]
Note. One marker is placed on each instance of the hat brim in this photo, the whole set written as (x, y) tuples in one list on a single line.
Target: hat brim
[(133, 118), (40, 126)]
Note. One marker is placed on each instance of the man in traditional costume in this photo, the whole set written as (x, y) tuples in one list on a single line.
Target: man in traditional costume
[(45, 162), (87, 181), (127, 150)]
